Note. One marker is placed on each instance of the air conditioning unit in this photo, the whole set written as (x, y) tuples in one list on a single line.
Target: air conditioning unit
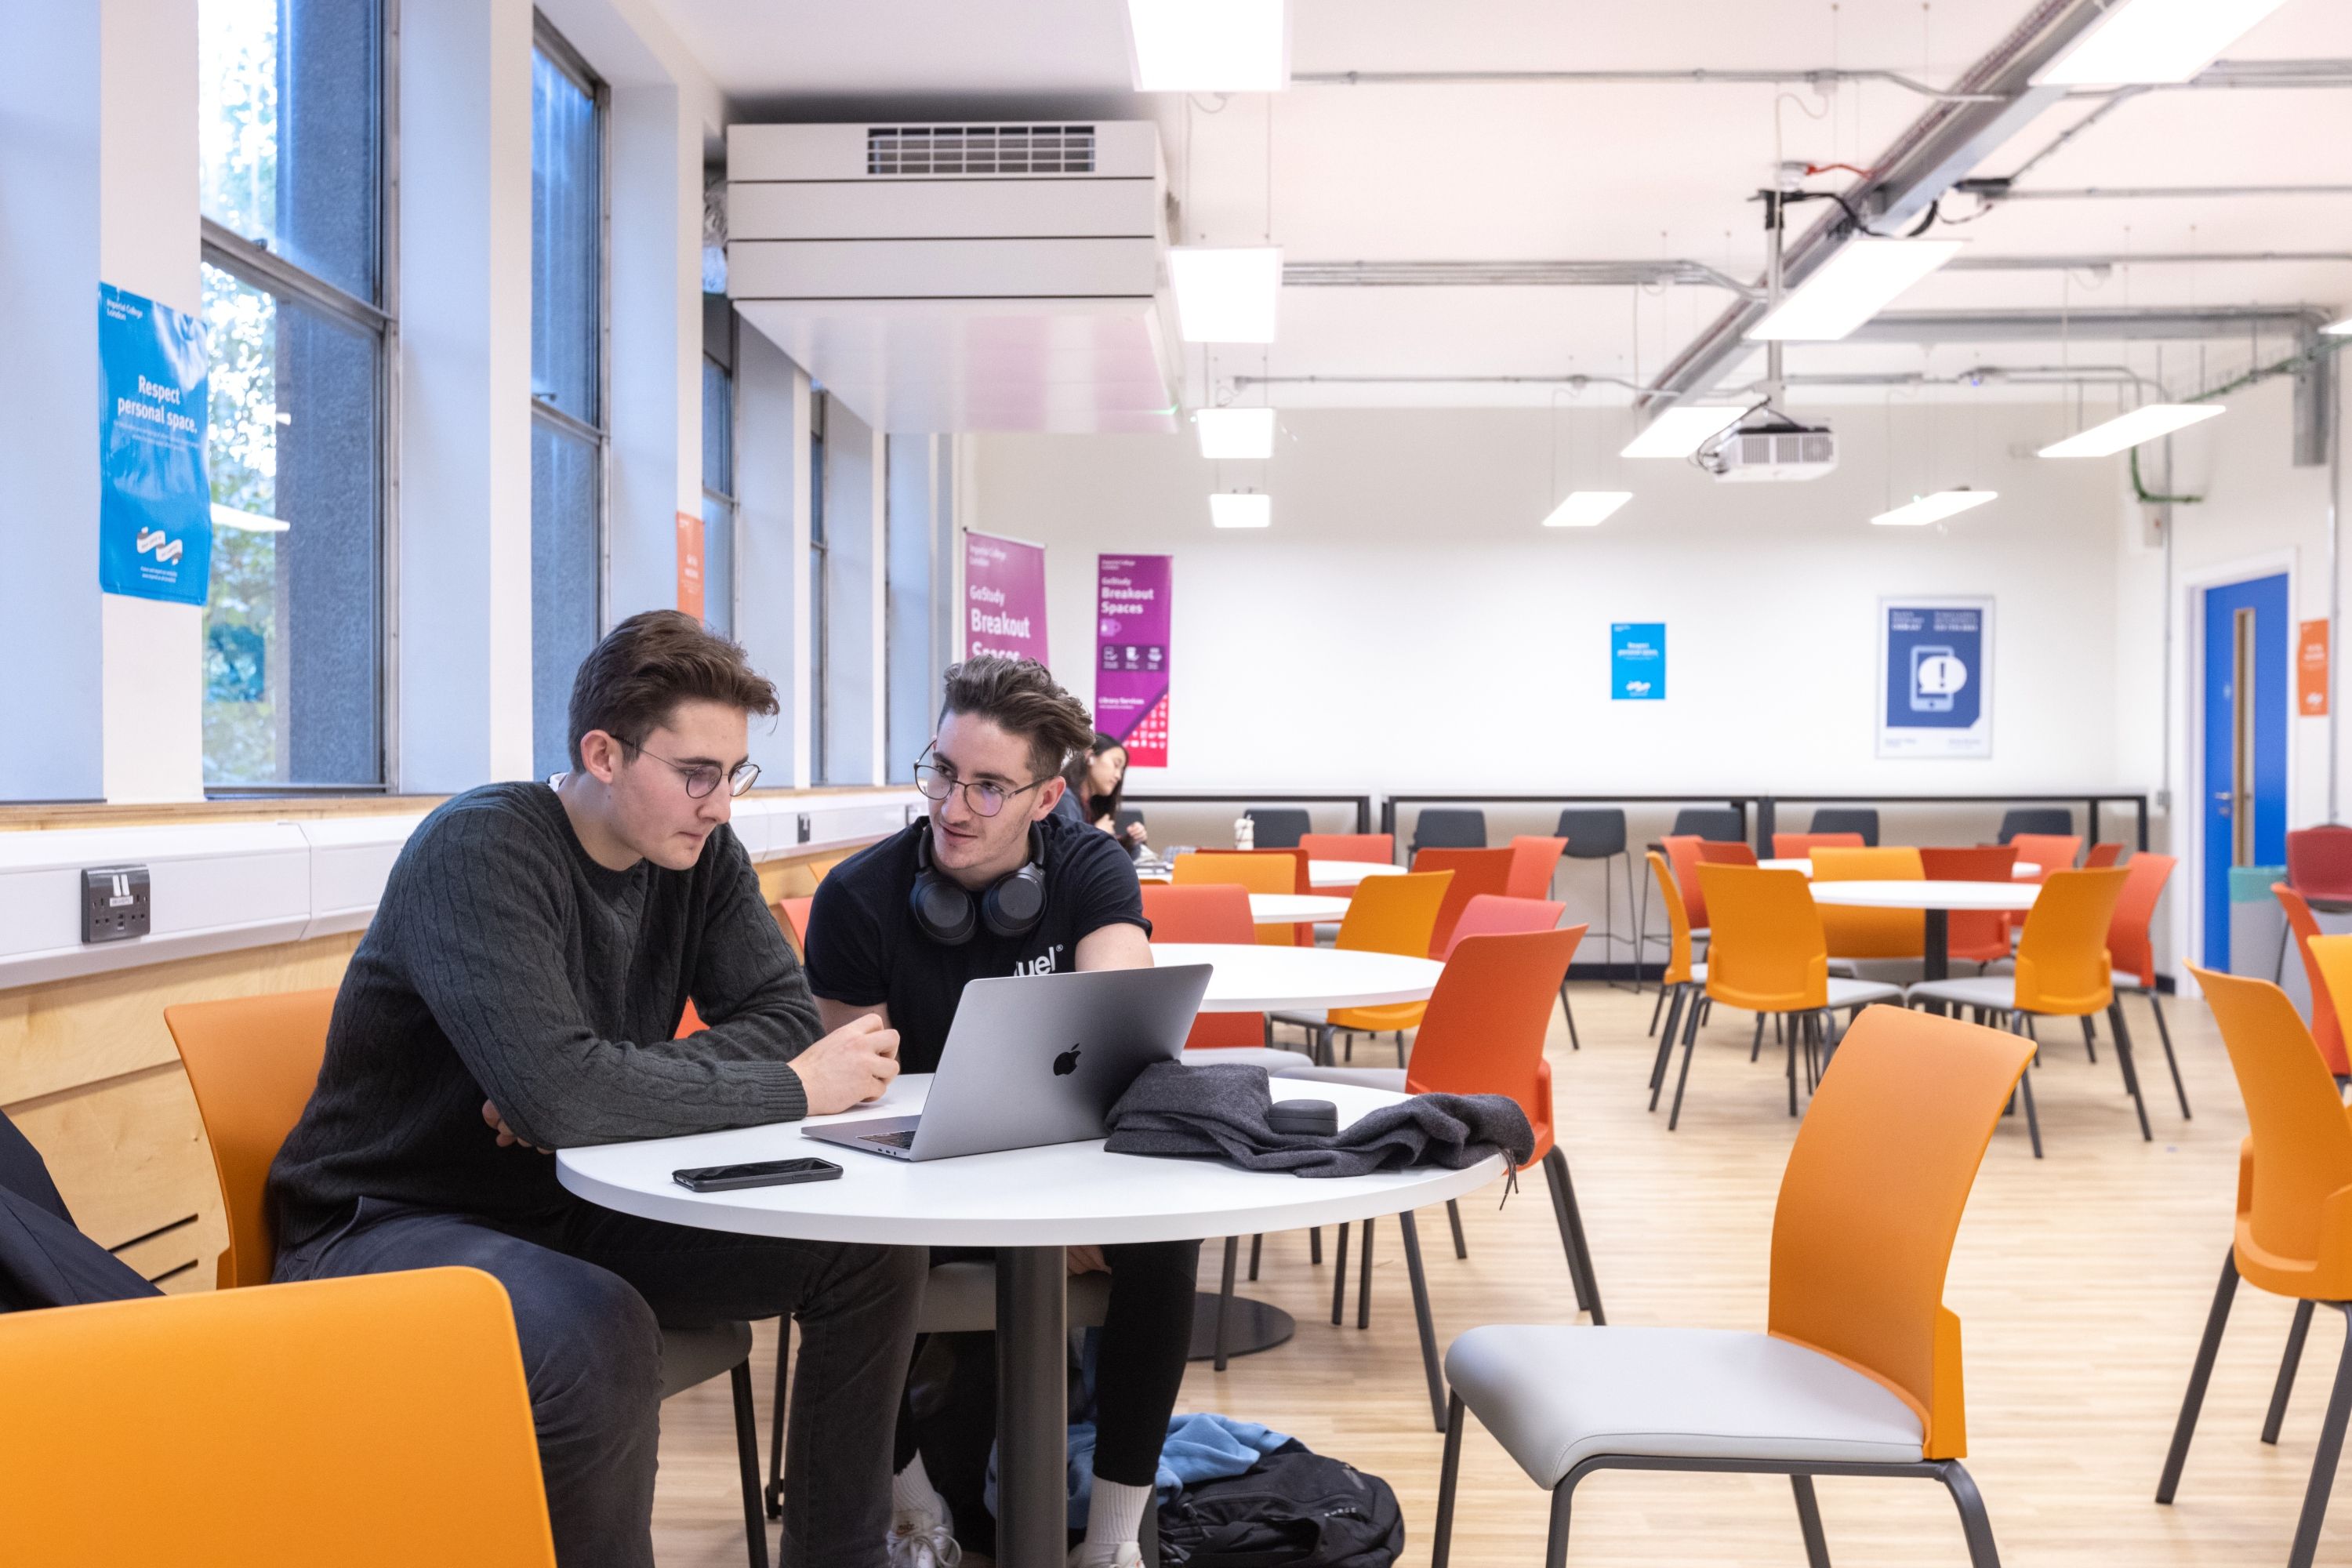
[(962, 276), (1781, 451)]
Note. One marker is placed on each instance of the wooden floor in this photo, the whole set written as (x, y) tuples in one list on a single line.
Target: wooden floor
[(2082, 1281)]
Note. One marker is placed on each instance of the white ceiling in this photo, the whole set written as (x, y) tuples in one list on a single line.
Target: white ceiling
[(1493, 173)]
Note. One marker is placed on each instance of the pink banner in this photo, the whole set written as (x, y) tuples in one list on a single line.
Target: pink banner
[(1004, 597), (1132, 624)]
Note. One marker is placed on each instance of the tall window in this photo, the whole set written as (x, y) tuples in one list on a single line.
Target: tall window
[(567, 384), (718, 465), (820, 573), (298, 315)]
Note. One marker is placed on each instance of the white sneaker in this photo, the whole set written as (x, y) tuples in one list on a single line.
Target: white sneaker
[(1126, 1554), (920, 1538)]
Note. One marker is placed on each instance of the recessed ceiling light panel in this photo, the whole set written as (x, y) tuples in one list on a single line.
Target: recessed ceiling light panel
[(1231, 509), (1210, 46), (1235, 435), (2146, 423), (1587, 509), (1225, 294), (1861, 279), (1935, 508), (2154, 41), (1680, 431)]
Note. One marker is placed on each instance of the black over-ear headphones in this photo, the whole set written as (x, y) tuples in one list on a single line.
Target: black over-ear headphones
[(950, 916)]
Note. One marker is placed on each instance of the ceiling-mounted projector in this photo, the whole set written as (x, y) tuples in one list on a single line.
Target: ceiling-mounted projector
[(1779, 449)]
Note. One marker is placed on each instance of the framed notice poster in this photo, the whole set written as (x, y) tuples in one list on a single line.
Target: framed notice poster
[(1935, 678), (155, 500), (1637, 661)]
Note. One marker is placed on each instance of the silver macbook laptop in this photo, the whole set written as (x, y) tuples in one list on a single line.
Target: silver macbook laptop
[(1033, 1060)]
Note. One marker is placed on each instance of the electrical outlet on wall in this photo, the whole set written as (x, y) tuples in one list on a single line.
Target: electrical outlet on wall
[(115, 905)]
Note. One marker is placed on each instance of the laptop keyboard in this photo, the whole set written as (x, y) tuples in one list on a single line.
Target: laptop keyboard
[(901, 1139)]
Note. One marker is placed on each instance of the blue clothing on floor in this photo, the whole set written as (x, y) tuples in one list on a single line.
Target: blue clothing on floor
[(1199, 1448)]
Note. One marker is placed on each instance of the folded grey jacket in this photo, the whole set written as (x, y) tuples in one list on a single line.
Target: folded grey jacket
[(1222, 1110)]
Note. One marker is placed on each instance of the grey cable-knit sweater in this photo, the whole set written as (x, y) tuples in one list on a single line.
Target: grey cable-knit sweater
[(503, 963)]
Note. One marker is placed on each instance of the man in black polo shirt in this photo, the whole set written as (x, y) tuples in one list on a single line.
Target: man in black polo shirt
[(994, 776)]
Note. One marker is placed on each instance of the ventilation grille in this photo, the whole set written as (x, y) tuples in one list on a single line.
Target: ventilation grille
[(1805, 447), (934, 151)]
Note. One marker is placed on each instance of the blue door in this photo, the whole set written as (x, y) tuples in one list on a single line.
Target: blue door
[(2246, 703)]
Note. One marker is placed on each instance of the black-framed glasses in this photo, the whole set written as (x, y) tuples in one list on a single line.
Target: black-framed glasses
[(702, 778), (985, 799)]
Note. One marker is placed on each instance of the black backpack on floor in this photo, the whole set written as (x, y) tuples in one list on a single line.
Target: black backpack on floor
[(1297, 1510)]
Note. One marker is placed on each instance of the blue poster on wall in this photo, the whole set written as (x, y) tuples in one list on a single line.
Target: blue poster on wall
[(155, 507), (1935, 678), (1637, 661)]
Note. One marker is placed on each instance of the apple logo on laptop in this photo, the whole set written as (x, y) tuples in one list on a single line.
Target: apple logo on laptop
[(1067, 1063)]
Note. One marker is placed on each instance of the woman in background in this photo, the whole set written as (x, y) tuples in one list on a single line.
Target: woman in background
[(1097, 782)]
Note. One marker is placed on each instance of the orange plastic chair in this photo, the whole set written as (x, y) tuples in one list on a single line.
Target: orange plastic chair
[(2050, 851), (1769, 957), (2102, 855), (2062, 972), (376, 1422), (2131, 950), (1484, 1034), (1267, 873), (1376, 848), (2327, 1030), (792, 914), (1974, 934), (1797, 846), (1862, 1241), (1387, 914), (1716, 852), (1682, 854), (1533, 861), (1208, 912), (1854, 932), (1476, 871), (2292, 1236), (1680, 975)]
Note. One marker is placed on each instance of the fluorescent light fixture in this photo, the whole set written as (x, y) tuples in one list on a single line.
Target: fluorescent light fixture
[(1936, 507), (1586, 508), (1228, 509), (1680, 431), (1225, 294), (2144, 423), (2342, 328), (1863, 278), (1236, 434), (1210, 46), (2154, 41), (251, 522)]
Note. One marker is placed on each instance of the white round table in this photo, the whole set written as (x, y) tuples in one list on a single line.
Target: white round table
[(1294, 908), (2022, 870), (1939, 900), (1302, 979), (1348, 873), (1029, 1203)]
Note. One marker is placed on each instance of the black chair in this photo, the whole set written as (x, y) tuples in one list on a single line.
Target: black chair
[(1277, 827), (1862, 819), (1599, 834), (2053, 819), (1450, 828), (1722, 823)]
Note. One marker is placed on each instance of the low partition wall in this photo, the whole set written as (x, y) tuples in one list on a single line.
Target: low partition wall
[(250, 896)]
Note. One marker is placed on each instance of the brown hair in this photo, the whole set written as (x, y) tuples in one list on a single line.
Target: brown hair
[(631, 683), (1020, 697)]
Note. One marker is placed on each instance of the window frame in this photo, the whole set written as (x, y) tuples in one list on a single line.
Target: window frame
[(258, 267), (820, 577), (728, 496)]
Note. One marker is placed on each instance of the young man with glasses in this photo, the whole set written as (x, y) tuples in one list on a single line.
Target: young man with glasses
[(518, 990), (997, 880)]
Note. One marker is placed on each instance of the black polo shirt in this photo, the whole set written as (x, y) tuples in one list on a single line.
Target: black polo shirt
[(864, 948)]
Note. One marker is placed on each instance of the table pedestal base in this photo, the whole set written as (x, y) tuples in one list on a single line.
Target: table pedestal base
[(1250, 1326), (1032, 1405)]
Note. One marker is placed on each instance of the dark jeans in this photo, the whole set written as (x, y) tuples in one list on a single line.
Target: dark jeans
[(1147, 1334), (591, 1290)]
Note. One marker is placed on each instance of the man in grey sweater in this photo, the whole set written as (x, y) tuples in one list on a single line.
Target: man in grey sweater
[(518, 990)]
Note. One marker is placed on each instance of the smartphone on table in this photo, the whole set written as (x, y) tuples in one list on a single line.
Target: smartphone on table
[(761, 1174)]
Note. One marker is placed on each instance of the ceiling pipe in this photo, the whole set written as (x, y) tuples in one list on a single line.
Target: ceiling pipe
[(1822, 77), (2001, 191), (1579, 274)]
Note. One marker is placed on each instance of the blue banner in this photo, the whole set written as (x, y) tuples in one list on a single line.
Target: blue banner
[(1935, 686), (155, 507), (1637, 661)]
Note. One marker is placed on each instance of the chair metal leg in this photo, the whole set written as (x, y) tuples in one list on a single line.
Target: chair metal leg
[(2131, 1070), (2156, 1006), (1453, 1218), (1364, 1280), (2200, 1372), (2032, 1121), (2323, 1460), (1690, 1041), (1431, 1366), (1654, 1008), (1441, 1540), (1340, 1277), (1226, 1299), (1257, 1244), (1556, 1539), (1809, 1520), (1665, 1055), (2295, 1335), (775, 1493), (747, 1456), (1976, 1528), (1756, 1045), (2090, 1041), (1315, 1245), (1573, 1043), (1586, 1282)]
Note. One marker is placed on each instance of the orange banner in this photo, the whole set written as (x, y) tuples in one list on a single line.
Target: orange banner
[(689, 564), (2310, 669)]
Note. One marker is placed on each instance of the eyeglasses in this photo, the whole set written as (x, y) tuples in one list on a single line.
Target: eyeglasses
[(986, 799), (702, 778)]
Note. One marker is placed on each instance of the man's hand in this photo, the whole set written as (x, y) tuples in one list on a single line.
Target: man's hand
[(507, 1136), (1085, 1260), (849, 1066)]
